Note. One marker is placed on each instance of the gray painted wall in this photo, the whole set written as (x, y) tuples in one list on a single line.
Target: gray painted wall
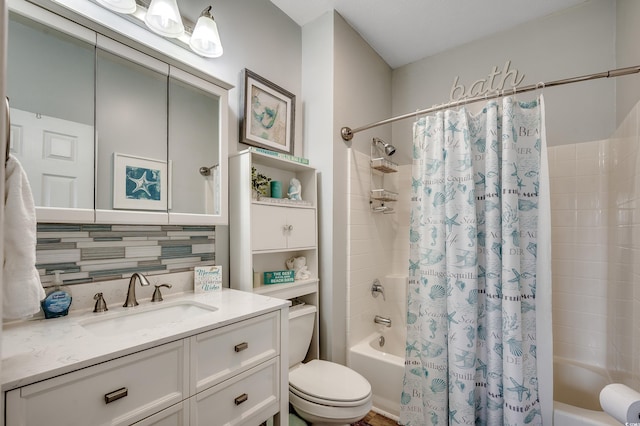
[(258, 36), (344, 81), (578, 41)]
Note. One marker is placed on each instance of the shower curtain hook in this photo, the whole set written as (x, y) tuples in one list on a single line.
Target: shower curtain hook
[(540, 85)]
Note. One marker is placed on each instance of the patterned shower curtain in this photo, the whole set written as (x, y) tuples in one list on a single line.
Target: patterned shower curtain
[(471, 320)]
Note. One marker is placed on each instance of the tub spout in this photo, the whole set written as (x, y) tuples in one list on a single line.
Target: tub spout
[(382, 320)]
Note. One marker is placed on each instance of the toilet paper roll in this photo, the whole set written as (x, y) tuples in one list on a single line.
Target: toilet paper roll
[(621, 402)]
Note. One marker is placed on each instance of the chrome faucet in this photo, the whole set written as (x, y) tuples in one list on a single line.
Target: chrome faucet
[(376, 288), (382, 320), (131, 293)]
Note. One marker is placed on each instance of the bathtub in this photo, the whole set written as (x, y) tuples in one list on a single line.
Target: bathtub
[(383, 367), (576, 393), (576, 387)]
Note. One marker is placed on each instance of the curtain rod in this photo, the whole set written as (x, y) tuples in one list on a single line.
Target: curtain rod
[(347, 133)]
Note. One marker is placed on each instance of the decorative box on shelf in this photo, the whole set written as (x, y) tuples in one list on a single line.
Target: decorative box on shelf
[(279, 277)]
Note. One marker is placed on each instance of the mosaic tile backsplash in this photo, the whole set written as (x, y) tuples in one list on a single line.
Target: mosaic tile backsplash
[(89, 252)]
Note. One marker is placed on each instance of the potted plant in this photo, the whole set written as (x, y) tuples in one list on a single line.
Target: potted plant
[(259, 183)]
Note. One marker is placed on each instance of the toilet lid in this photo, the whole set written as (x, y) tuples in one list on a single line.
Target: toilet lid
[(329, 381)]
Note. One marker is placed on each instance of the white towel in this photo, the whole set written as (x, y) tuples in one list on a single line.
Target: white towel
[(22, 288)]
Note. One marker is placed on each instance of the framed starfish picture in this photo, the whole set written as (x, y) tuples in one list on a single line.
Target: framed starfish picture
[(139, 183), (268, 119)]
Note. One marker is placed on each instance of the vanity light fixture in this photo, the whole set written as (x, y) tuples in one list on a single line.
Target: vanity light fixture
[(163, 17), (120, 6), (205, 40)]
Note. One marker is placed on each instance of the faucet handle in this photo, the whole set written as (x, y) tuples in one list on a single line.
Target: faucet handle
[(101, 305), (157, 295), (377, 288)]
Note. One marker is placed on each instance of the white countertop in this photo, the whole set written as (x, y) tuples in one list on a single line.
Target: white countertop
[(37, 350)]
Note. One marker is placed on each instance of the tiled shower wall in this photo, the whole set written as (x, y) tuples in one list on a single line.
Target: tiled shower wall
[(378, 248), (88, 253), (595, 212)]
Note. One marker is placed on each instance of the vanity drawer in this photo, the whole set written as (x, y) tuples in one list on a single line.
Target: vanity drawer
[(246, 399), (222, 353), (137, 386)]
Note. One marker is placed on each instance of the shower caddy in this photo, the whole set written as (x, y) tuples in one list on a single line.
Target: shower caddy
[(380, 166)]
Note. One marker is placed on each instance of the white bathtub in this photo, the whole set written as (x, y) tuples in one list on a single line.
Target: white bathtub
[(383, 367), (576, 387), (576, 392)]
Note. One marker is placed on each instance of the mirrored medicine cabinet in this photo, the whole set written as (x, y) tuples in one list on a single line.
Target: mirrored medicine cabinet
[(109, 134)]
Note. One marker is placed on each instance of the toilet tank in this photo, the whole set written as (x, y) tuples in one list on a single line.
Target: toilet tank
[(301, 324)]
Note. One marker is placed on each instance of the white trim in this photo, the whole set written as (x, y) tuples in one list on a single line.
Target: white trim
[(86, 12), (131, 217), (119, 49), (44, 17), (64, 215)]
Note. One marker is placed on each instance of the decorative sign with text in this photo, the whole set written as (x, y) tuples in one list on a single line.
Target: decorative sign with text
[(207, 278), (493, 84), (279, 277)]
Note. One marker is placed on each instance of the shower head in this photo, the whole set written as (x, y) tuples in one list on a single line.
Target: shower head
[(388, 148)]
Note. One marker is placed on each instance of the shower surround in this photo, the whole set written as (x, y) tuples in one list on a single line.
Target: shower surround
[(595, 214)]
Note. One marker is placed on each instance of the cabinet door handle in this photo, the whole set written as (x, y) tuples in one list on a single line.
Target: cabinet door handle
[(240, 399), (115, 395), (288, 228), (241, 346)]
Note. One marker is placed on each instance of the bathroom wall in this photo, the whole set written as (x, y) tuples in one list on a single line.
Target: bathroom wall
[(596, 249), (346, 83), (539, 49)]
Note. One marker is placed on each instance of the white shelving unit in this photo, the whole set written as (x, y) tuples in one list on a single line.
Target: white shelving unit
[(265, 232)]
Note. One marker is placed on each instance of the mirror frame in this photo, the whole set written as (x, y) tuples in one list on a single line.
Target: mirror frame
[(90, 22)]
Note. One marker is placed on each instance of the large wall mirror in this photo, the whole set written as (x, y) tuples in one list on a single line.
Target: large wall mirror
[(109, 134), (50, 84)]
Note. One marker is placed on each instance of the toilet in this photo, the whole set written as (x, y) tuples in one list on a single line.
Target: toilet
[(322, 392)]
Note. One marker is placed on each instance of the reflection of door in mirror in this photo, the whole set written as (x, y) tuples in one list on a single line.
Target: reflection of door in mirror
[(50, 81), (193, 144), (57, 156)]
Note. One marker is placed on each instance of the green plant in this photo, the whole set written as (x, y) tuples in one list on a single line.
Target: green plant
[(259, 182)]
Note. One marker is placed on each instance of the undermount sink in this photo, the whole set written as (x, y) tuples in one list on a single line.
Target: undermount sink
[(142, 318)]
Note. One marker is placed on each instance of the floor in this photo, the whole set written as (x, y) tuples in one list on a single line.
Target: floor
[(375, 419)]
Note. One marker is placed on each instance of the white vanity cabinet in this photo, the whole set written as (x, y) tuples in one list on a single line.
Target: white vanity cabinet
[(117, 392), (226, 376)]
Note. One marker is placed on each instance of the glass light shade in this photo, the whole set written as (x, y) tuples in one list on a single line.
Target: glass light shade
[(163, 17), (205, 40), (120, 6)]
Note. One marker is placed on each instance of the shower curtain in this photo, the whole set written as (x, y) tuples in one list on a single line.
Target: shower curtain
[(479, 265)]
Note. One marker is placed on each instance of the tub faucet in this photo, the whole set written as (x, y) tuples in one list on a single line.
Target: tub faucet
[(131, 293), (376, 288), (382, 320)]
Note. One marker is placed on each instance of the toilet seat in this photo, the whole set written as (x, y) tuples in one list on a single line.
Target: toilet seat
[(320, 382)]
